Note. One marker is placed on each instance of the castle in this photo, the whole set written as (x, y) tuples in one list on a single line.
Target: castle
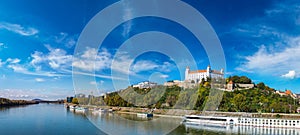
[(196, 76)]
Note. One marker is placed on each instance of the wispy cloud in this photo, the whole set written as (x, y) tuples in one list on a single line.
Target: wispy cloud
[(164, 76), (146, 65), (1, 63), (94, 75), (39, 79), (13, 61), (64, 38), (97, 83), (20, 69), (128, 13), (93, 83), (2, 46), (31, 94), (19, 29)]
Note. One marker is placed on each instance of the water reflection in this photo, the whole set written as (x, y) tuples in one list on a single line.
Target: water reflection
[(131, 124)]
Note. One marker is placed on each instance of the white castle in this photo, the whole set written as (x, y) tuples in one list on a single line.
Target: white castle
[(196, 76)]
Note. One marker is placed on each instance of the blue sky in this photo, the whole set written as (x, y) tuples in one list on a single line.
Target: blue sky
[(260, 39)]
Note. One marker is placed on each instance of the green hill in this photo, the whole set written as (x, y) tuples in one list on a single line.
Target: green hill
[(261, 98)]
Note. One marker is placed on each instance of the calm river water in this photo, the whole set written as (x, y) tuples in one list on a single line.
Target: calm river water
[(54, 119)]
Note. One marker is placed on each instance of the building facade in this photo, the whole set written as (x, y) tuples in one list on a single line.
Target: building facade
[(196, 76), (174, 83), (146, 84)]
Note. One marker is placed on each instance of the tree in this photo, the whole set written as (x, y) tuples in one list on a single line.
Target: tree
[(244, 80), (75, 101), (239, 102), (261, 86)]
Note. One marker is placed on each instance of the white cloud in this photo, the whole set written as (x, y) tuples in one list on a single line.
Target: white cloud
[(57, 58), (1, 63), (164, 76), (144, 65), (93, 75), (121, 63), (277, 62), (290, 75), (93, 83), (101, 82), (20, 69), (97, 83), (91, 60), (17, 28), (39, 79), (37, 57), (13, 61)]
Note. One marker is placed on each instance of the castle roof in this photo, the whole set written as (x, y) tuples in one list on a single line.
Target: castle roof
[(216, 72), (197, 71)]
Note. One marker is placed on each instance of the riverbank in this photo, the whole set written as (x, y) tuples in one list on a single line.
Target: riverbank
[(4, 102), (178, 113)]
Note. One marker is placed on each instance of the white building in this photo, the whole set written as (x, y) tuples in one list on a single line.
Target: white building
[(197, 75), (174, 83), (146, 84)]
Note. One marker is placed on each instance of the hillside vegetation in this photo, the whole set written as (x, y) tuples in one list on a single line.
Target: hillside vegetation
[(261, 98)]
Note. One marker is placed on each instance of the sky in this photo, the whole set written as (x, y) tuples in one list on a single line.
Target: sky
[(40, 54)]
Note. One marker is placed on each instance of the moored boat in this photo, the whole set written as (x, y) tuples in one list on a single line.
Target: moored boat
[(72, 108), (240, 121), (145, 115), (80, 110), (99, 111)]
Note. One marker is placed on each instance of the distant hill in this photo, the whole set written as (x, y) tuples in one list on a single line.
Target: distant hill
[(47, 101), (37, 100), (8, 102)]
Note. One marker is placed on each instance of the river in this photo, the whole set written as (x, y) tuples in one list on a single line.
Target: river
[(54, 119)]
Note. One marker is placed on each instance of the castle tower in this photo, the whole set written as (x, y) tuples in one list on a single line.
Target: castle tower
[(208, 70), (187, 71)]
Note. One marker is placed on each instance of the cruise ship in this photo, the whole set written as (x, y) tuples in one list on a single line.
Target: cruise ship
[(244, 130), (224, 121)]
